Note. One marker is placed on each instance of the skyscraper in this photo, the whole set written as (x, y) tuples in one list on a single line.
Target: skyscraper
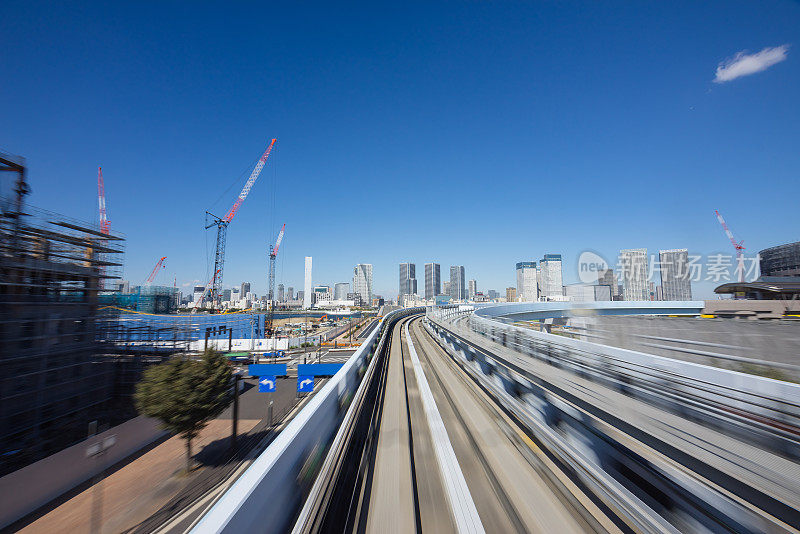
[(290, 293), (281, 293), (607, 277), (458, 290), (362, 282), (307, 284), (527, 284), (675, 279), (408, 280), (550, 282), (340, 290), (633, 270), (245, 289), (472, 289), (511, 294), (433, 280)]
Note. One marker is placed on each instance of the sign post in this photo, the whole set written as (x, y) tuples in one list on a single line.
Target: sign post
[(267, 381), (236, 378)]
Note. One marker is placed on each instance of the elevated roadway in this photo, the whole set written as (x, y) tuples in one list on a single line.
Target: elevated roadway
[(447, 459), (463, 423)]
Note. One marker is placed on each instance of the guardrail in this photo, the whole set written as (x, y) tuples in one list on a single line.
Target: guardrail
[(755, 408), (268, 495), (580, 435)]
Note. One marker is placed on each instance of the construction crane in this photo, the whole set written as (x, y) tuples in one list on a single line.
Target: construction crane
[(273, 253), (739, 246), (205, 292), (105, 226), (153, 273), (222, 226)]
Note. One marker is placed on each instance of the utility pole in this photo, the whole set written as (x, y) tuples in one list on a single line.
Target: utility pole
[(236, 378)]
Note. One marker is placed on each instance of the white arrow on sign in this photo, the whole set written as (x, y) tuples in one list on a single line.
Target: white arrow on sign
[(306, 381), (267, 382)]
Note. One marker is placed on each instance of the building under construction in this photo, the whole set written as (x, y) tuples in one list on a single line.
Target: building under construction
[(53, 380)]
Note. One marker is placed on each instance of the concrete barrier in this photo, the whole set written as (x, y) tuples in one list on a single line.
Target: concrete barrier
[(269, 493)]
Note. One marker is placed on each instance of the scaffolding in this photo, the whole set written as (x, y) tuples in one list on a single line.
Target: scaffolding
[(52, 380)]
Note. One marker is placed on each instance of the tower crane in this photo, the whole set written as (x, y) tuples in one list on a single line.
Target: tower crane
[(273, 253), (739, 246), (153, 273), (105, 226), (222, 226)]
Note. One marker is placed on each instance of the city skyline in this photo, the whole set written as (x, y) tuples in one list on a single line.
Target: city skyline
[(536, 120)]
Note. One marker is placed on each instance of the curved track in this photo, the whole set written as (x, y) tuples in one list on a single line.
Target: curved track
[(413, 487)]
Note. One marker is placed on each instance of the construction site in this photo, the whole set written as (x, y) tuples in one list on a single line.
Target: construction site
[(75, 342), (53, 379)]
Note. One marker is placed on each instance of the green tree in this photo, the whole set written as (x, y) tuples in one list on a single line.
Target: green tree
[(185, 394)]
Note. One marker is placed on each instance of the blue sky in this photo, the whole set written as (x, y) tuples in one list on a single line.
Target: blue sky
[(473, 133)]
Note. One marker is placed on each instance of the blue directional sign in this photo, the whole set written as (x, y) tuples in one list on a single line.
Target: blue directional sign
[(267, 369), (318, 369), (305, 383), (266, 384)]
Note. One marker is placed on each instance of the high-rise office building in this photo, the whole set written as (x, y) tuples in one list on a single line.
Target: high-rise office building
[(433, 280), (244, 289), (226, 295), (472, 289), (527, 284), (340, 290), (322, 294), (446, 288), (633, 270), (458, 289), (281, 293), (607, 277), (198, 293), (511, 294), (307, 284), (550, 281), (408, 280), (362, 282), (290, 293), (676, 283)]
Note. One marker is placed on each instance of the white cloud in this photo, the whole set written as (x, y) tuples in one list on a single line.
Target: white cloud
[(743, 64)]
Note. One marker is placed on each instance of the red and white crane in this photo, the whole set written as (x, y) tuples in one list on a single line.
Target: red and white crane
[(739, 246), (222, 226), (153, 273)]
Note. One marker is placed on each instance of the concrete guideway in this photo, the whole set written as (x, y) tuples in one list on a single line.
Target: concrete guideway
[(446, 461), (458, 495), (392, 502), (514, 487)]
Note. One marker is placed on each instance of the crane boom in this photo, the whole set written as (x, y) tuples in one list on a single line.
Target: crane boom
[(153, 273), (222, 227), (250, 181), (278, 241), (739, 246), (105, 226)]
